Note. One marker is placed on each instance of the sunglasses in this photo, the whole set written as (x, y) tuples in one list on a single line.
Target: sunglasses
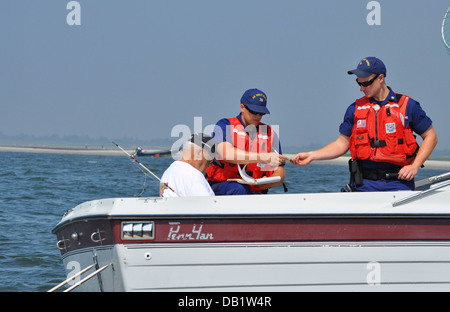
[(367, 83), (253, 112)]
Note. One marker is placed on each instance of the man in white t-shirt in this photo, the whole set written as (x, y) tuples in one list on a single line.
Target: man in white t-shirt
[(185, 176)]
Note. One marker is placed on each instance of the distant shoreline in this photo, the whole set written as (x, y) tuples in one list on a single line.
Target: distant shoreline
[(65, 150), (429, 164)]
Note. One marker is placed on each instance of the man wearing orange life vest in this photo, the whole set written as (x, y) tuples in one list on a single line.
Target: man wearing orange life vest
[(378, 129), (245, 140)]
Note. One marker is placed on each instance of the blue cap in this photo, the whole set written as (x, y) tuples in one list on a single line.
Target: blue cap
[(369, 66), (255, 100)]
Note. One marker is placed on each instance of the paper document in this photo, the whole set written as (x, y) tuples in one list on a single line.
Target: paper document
[(246, 179)]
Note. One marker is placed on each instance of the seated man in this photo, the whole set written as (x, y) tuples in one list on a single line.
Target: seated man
[(185, 177), (245, 140)]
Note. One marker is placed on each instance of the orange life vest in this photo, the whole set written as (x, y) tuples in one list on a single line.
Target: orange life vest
[(262, 143), (379, 133)]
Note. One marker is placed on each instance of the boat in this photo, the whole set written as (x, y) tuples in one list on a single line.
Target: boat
[(155, 153), (376, 241)]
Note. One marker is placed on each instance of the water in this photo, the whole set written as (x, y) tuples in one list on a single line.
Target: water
[(36, 190)]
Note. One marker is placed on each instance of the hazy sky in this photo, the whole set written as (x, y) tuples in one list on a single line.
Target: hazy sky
[(138, 68)]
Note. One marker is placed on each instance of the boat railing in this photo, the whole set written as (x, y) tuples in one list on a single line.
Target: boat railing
[(428, 182), (420, 194), (81, 281)]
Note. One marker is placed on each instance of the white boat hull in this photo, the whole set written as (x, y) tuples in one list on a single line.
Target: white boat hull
[(273, 267), (302, 242)]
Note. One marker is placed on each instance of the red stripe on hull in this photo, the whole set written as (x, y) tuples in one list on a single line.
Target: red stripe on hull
[(94, 233), (314, 229)]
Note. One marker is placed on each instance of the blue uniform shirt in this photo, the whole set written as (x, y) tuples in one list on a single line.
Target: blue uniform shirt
[(416, 118)]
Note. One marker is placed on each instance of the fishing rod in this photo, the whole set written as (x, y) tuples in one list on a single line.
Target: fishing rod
[(145, 168)]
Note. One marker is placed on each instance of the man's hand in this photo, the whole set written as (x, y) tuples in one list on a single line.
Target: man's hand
[(407, 173), (302, 159), (333, 150), (273, 159)]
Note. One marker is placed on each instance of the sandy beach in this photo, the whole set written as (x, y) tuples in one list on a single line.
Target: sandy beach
[(430, 164)]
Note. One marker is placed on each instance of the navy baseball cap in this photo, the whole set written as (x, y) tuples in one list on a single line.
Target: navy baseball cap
[(255, 100), (369, 66)]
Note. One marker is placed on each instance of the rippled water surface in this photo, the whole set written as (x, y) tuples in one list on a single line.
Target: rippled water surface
[(36, 190)]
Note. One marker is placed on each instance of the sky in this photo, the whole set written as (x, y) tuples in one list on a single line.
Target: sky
[(142, 68)]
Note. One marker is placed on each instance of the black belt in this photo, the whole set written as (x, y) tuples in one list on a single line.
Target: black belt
[(380, 174)]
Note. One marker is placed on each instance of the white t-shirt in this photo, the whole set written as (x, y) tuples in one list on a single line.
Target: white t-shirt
[(185, 180)]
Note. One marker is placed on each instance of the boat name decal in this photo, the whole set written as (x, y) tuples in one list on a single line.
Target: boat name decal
[(176, 234)]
